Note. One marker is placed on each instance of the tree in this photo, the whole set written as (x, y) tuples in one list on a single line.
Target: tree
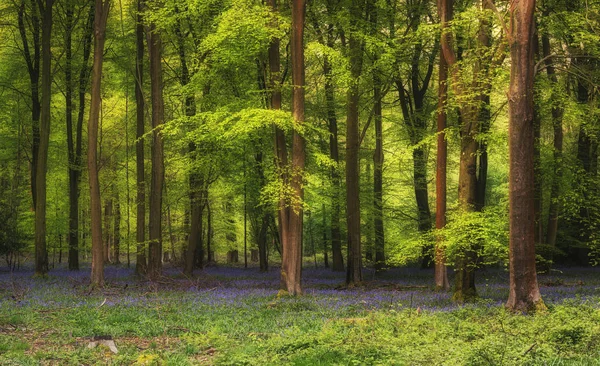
[(75, 140), (355, 49), (157, 159), (102, 8), (291, 264), (41, 254), (473, 106), (524, 294), (140, 201), (33, 60), (441, 273)]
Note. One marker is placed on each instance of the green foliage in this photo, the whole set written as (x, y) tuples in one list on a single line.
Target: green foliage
[(484, 232)]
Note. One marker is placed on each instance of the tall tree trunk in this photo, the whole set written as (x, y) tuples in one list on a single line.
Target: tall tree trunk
[(354, 271), (33, 60), (378, 160), (484, 62), (557, 117), (100, 18), (281, 159), (76, 164), (157, 175), (41, 254), (73, 168), (464, 289), (336, 237), (291, 271), (441, 272), (524, 294), (140, 227)]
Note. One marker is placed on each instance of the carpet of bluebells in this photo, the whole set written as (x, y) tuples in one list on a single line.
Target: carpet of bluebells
[(234, 316)]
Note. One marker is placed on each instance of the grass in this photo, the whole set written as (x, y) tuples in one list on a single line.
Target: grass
[(232, 316)]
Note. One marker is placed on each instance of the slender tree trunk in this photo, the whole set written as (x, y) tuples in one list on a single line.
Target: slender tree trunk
[(108, 208), (441, 272), (140, 228), (73, 169), (336, 237), (157, 176), (194, 239), (524, 294), (33, 60), (464, 289), (281, 158), (76, 165), (378, 171), (557, 117), (41, 254), (325, 250), (100, 18), (117, 230), (354, 271), (210, 258)]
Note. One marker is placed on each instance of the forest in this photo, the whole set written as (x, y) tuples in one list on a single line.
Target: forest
[(299, 182)]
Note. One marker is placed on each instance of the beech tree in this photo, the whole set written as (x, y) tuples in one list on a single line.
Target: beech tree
[(355, 49), (100, 18), (157, 159), (291, 264), (524, 294), (140, 200)]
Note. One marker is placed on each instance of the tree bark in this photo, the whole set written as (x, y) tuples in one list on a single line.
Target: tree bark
[(100, 18), (157, 159), (74, 143), (33, 60), (140, 227), (524, 294), (336, 237), (117, 230), (354, 270), (441, 272), (108, 208), (291, 271), (281, 159), (378, 159), (41, 253)]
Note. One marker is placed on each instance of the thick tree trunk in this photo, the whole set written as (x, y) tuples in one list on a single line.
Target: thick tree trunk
[(291, 271), (140, 227), (41, 254), (524, 294), (441, 272), (157, 175), (354, 271), (557, 117), (100, 18)]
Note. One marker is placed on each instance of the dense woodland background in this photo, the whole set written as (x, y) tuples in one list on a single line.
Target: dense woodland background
[(200, 93)]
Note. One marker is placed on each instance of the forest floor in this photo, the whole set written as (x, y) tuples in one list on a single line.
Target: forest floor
[(233, 316)]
